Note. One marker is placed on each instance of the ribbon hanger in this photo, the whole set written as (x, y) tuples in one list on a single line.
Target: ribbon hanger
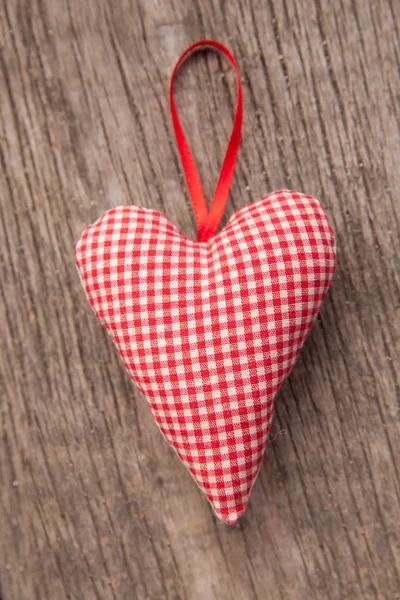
[(208, 222)]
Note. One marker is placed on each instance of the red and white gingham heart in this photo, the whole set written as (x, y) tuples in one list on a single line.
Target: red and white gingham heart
[(209, 330)]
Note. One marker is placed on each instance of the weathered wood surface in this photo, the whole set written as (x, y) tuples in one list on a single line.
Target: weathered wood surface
[(94, 504)]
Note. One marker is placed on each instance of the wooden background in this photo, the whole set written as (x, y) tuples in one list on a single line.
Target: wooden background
[(94, 504)]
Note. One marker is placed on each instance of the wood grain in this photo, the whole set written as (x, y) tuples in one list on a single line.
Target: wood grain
[(93, 502)]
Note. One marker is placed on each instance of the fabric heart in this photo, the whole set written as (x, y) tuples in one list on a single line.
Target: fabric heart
[(209, 330)]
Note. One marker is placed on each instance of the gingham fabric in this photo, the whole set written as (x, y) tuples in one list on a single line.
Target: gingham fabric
[(209, 330)]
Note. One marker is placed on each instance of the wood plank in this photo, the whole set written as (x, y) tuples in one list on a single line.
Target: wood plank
[(93, 503)]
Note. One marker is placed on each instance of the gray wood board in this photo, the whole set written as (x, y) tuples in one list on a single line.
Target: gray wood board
[(93, 503)]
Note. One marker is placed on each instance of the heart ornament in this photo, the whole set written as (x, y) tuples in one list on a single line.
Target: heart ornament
[(209, 329)]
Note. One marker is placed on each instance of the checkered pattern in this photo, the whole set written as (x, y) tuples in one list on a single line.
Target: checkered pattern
[(208, 331)]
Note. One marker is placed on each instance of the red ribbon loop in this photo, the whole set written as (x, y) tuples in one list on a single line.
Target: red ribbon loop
[(208, 222)]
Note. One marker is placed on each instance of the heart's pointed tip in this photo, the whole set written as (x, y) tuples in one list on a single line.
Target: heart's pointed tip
[(232, 516)]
